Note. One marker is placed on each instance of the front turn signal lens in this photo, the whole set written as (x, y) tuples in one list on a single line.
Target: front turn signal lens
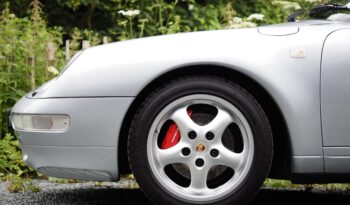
[(33, 123)]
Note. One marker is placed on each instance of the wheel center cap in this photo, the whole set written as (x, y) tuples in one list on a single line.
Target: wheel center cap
[(200, 147)]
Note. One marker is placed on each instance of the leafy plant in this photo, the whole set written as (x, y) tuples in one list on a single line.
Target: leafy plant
[(25, 34), (62, 181), (23, 56), (11, 158), (18, 184)]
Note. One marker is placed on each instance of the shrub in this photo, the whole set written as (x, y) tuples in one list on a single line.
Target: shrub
[(11, 158), (23, 56), (18, 184)]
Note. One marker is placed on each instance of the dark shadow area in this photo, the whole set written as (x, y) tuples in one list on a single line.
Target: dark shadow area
[(97, 196), (127, 196), (300, 197)]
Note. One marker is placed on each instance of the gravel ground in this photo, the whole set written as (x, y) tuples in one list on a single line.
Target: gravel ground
[(121, 194)]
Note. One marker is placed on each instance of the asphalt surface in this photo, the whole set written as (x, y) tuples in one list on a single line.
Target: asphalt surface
[(122, 193)]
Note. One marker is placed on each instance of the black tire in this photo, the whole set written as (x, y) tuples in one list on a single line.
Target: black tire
[(200, 84)]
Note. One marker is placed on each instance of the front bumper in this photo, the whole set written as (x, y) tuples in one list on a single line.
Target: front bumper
[(88, 149)]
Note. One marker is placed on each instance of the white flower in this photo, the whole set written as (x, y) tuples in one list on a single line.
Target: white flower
[(237, 20), (233, 26), (247, 24), (190, 7), (52, 70), (257, 17), (129, 13)]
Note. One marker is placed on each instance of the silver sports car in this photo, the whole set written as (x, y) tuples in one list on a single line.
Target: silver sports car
[(203, 117)]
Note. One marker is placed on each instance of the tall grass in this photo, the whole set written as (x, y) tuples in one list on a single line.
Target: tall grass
[(23, 56)]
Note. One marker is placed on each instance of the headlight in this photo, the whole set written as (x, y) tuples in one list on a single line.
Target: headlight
[(32, 123)]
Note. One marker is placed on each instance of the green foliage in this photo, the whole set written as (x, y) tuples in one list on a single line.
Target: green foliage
[(277, 11), (272, 183), (286, 184), (156, 17), (62, 181), (23, 56), (11, 158), (77, 36), (17, 184), (25, 34)]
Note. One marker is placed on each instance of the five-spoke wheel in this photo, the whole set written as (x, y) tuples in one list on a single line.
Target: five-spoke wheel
[(201, 150), (200, 140)]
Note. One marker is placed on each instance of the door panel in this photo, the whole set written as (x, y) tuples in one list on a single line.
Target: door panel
[(335, 90)]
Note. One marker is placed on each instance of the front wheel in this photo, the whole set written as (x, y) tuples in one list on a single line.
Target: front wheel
[(200, 140)]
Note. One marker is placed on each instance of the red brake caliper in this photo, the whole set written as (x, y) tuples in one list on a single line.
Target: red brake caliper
[(173, 135)]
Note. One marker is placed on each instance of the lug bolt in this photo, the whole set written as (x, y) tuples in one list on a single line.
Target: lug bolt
[(186, 151), (214, 153), (192, 135), (199, 162), (209, 136)]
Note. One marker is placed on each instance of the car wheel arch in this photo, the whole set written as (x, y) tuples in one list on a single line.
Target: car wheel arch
[(281, 162)]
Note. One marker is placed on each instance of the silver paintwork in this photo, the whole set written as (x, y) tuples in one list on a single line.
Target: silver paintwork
[(90, 141), (100, 85), (239, 162), (335, 101), (335, 96)]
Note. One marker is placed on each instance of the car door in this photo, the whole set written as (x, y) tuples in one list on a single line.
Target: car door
[(335, 101)]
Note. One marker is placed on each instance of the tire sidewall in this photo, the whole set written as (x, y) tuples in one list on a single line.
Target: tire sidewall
[(226, 90)]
